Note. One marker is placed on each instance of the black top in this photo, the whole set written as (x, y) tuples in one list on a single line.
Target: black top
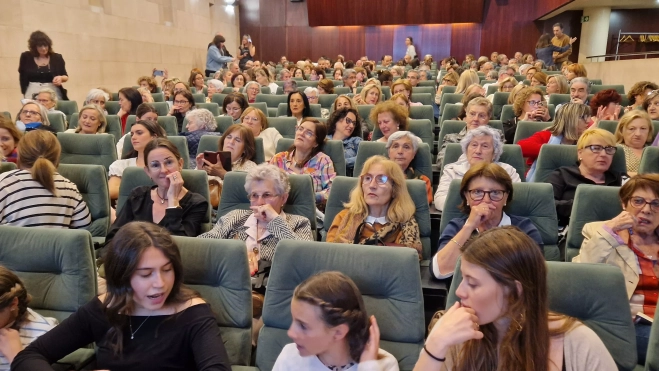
[(188, 340), (185, 221), (246, 57), (28, 71), (565, 181)]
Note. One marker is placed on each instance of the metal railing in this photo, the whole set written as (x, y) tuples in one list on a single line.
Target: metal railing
[(617, 56)]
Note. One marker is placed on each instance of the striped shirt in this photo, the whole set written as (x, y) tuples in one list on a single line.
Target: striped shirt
[(34, 326), (26, 203)]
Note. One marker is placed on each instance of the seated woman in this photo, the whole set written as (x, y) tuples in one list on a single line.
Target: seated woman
[(200, 122), (47, 97), (651, 106), (390, 117), (145, 112), (325, 86), (370, 94), (401, 100), (141, 133), (595, 150), (402, 147), (630, 242), (516, 90), (481, 144), (264, 79), (450, 79), (265, 223), (298, 106), (605, 105), (252, 89), (35, 194), (638, 93), (634, 132), (298, 74), (129, 99), (10, 136), (183, 104), (539, 79), (306, 157), (32, 116), (380, 210), (385, 77), (556, 84), (196, 80), (405, 87), (167, 203), (338, 74), (255, 120), (504, 86), (91, 120), (467, 79), (19, 324), (234, 105), (345, 125), (317, 74), (481, 214), (238, 82), (97, 97), (503, 305), (214, 87), (330, 305), (570, 122), (142, 267), (575, 70), (239, 141), (312, 97), (148, 82), (530, 105)]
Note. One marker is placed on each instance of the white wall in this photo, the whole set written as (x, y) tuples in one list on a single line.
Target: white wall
[(594, 33), (625, 73), (110, 43)]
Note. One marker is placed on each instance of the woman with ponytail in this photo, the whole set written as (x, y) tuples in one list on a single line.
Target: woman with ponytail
[(19, 325), (331, 330), (35, 195)]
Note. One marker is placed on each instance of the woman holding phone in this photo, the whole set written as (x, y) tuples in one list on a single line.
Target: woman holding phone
[(246, 52), (238, 141)]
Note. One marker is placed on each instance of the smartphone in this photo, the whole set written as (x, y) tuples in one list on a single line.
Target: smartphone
[(225, 157), (158, 73), (249, 40), (643, 319)]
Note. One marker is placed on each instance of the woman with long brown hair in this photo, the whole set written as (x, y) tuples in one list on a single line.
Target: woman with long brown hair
[(502, 321)]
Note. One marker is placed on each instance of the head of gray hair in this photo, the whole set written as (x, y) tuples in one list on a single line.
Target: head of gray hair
[(487, 131), (43, 111), (310, 89), (346, 73), (251, 83), (51, 92), (416, 141), (265, 172), (523, 68), (217, 84), (96, 94), (290, 83), (204, 118), (219, 74), (583, 80)]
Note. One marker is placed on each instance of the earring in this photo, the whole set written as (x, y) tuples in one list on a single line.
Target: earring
[(580, 159), (519, 323)]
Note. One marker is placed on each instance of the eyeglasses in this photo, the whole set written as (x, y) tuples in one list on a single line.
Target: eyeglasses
[(349, 121), (265, 197), (478, 194), (312, 97), (43, 101), (181, 102), (639, 203), (380, 180), (307, 133), (534, 103), (31, 113), (596, 148)]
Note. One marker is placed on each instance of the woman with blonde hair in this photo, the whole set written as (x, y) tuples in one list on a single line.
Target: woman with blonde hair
[(371, 94), (467, 79), (557, 84), (254, 119), (35, 194), (380, 210), (450, 79), (634, 132), (32, 116), (515, 91), (91, 120), (146, 95), (401, 100)]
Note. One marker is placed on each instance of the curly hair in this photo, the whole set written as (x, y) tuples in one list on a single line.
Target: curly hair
[(639, 89), (338, 115), (398, 113), (39, 38), (12, 287), (604, 98), (522, 97)]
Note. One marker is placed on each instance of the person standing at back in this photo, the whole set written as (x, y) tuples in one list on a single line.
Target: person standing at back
[(561, 40), (217, 56)]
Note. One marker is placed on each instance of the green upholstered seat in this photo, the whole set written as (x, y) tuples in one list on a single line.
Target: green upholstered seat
[(218, 270), (333, 148), (449, 98), (588, 207), (112, 106), (327, 100), (315, 110), (92, 184), (223, 123), (608, 125), (166, 122), (423, 98), (113, 126), (284, 125), (98, 149), (553, 156), (219, 98), (57, 121), (594, 89), (158, 97), (272, 102), (449, 89), (526, 129), (455, 126), (211, 142), (649, 160), (261, 106), (420, 128), (422, 160), (530, 200), (301, 199), (511, 155), (557, 99), (204, 91), (576, 290), (364, 111), (69, 107), (193, 180), (422, 112), (500, 99), (387, 277), (199, 97), (6, 114), (7, 166), (451, 112), (213, 107), (180, 142), (424, 90)]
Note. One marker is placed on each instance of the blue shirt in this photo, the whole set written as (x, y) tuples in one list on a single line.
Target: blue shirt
[(215, 60), (350, 146)]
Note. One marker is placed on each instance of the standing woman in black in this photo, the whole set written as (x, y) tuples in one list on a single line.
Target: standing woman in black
[(247, 51), (40, 67)]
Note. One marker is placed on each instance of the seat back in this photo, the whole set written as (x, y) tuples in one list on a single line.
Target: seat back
[(315, 110), (333, 148), (608, 125), (218, 270), (340, 194), (301, 199), (162, 108), (6, 114), (223, 123), (7, 166), (557, 99), (93, 186), (57, 267), (272, 101), (420, 128), (526, 129), (608, 315), (113, 126), (284, 125), (500, 99), (96, 149), (69, 107), (326, 100), (158, 97), (180, 142), (594, 89), (211, 143), (166, 122), (649, 160), (213, 107), (422, 161), (449, 89), (553, 156), (195, 181), (511, 155), (112, 106), (450, 112), (57, 121), (364, 111), (423, 98), (219, 98), (199, 97), (422, 113), (507, 112), (455, 126), (588, 207), (449, 98), (261, 106), (424, 89), (387, 277), (491, 89)]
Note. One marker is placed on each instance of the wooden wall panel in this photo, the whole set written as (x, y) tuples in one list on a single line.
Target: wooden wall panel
[(296, 14), (325, 42), (273, 13), (465, 39), (379, 41), (547, 6), (272, 44), (508, 27), (351, 40), (435, 40), (298, 46)]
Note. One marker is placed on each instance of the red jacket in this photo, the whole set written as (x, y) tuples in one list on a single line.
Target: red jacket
[(531, 145)]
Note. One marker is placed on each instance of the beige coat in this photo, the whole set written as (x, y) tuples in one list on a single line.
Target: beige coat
[(599, 246)]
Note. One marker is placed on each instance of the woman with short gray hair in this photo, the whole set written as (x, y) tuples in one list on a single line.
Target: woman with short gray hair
[(479, 145), (402, 147), (97, 97), (200, 122), (214, 87)]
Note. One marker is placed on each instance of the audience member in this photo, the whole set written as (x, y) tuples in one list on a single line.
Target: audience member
[(97, 97), (370, 94), (450, 79), (200, 122), (345, 125), (183, 104), (402, 148), (390, 117), (32, 116), (129, 99), (545, 49), (325, 86), (238, 82), (246, 51), (47, 97), (146, 95), (149, 83), (638, 93), (605, 105), (575, 70), (144, 112), (254, 119), (556, 84), (651, 106), (217, 57), (91, 120), (298, 106), (530, 105), (234, 105), (237, 140), (252, 89), (579, 90), (634, 133), (10, 136), (264, 79), (214, 87)]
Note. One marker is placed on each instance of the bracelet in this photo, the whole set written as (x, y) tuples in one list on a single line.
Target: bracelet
[(456, 242), (432, 356)]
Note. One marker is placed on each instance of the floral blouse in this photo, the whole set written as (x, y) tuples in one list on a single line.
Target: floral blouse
[(320, 167)]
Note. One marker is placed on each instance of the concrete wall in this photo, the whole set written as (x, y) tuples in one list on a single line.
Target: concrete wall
[(625, 72)]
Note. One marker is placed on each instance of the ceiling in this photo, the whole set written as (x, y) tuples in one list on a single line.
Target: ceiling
[(614, 4)]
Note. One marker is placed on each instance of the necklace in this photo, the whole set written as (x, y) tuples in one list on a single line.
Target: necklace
[(300, 164), (130, 325), (162, 200)]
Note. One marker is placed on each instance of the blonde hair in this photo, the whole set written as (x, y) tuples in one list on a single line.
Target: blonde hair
[(566, 122), (561, 81), (101, 118), (352, 103), (513, 94), (368, 88), (503, 82), (596, 133), (406, 84), (401, 207), (39, 151), (259, 113), (467, 79), (630, 116)]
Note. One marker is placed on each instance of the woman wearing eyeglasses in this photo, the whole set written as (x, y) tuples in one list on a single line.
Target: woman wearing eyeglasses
[(32, 116), (380, 210), (529, 105), (595, 151), (485, 190), (634, 132), (630, 242), (345, 125)]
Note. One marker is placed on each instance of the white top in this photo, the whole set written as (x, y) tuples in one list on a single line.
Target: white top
[(117, 168), (411, 51), (120, 144), (290, 360), (270, 138), (273, 88), (34, 326)]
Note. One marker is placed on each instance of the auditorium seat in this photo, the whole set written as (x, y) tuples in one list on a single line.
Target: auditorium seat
[(68, 107), (420, 128), (364, 111), (219, 99), (449, 89), (512, 155), (424, 89), (326, 100), (180, 142), (92, 184), (158, 97), (84, 149), (113, 126), (223, 123), (553, 156), (450, 112), (333, 148), (284, 125), (422, 162), (57, 121), (455, 126), (507, 112), (557, 99), (199, 98), (526, 129), (594, 89), (649, 160), (424, 98), (340, 90), (272, 101), (315, 110), (262, 107), (422, 112), (211, 143), (7, 166), (449, 98), (166, 122), (112, 106), (213, 107)]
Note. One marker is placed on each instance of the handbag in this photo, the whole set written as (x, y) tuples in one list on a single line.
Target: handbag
[(215, 190)]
